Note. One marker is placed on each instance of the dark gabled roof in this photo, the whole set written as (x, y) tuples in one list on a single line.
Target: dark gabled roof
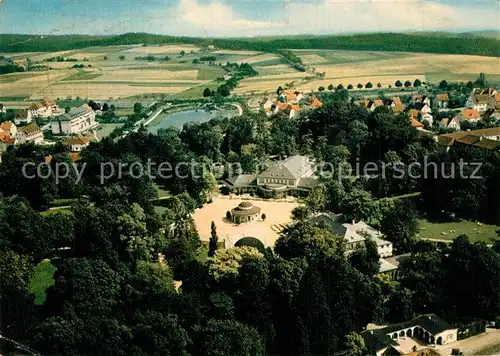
[(430, 322), (30, 129), (375, 340)]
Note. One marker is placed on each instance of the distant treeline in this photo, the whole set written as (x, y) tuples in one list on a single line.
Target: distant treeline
[(369, 42)]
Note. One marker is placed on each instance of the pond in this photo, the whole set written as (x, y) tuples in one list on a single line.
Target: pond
[(178, 119)]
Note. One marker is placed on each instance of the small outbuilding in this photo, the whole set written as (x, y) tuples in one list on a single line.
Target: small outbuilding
[(245, 212)]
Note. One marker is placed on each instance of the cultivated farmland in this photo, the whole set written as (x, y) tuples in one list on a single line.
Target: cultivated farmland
[(122, 71)]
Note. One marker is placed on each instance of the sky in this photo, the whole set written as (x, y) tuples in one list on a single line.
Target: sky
[(237, 18)]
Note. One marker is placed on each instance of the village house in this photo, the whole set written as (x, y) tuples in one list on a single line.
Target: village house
[(443, 100), (354, 233), (9, 128), (77, 144), (451, 123), (409, 336), (22, 117), (47, 107), (471, 115), (482, 100), (295, 174), (424, 111), (29, 133), (415, 123), (76, 121), (422, 99)]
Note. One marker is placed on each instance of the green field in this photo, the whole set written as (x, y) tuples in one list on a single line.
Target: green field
[(211, 72), (475, 231), (196, 92), (106, 129), (42, 279)]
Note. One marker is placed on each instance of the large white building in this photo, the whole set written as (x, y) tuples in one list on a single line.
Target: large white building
[(76, 121), (354, 233)]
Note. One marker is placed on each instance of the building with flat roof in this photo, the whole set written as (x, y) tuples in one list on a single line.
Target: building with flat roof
[(76, 121)]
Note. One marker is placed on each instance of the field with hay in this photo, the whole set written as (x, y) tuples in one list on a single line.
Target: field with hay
[(123, 71)]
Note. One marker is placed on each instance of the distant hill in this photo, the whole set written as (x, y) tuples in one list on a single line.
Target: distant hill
[(417, 42)]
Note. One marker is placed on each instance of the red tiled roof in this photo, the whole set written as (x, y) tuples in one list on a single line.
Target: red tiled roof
[(442, 97), (397, 100), (470, 114), (316, 103), (6, 125), (5, 138), (415, 123)]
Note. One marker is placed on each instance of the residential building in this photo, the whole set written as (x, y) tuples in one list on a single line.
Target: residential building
[(415, 123), (8, 127), (471, 115), (29, 133), (316, 103), (453, 123), (423, 99), (77, 144), (354, 233), (76, 121), (47, 107), (443, 100), (294, 110), (428, 330), (22, 117), (482, 100)]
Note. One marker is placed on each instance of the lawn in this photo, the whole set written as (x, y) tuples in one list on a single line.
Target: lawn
[(210, 72), (196, 92), (56, 211), (41, 280), (106, 129), (441, 231)]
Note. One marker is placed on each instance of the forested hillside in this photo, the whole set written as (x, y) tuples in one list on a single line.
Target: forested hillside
[(366, 42)]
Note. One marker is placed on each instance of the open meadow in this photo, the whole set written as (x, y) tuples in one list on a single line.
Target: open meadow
[(122, 71)]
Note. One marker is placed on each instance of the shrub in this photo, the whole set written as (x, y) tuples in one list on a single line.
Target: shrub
[(264, 217), (228, 215)]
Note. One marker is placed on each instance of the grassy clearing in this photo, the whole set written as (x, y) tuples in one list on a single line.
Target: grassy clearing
[(197, 92), (106, 129), (42, 279), (475, 231), (207, 73), (56, 211), (62, 202), (162, 193)]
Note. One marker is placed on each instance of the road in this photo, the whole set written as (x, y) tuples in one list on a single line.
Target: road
[(473, 345)]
